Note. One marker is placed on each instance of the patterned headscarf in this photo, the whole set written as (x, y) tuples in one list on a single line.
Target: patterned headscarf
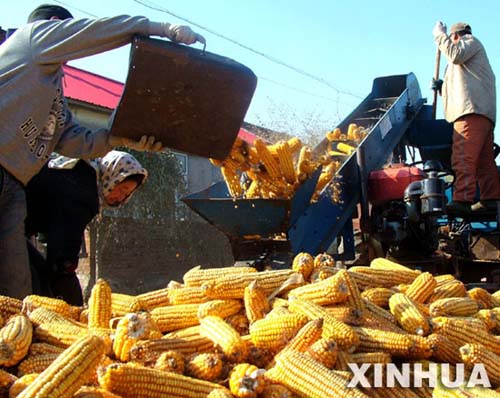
[(111, 169), (115, 167)]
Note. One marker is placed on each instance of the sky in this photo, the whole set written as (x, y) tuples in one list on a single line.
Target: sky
[(315, 61)]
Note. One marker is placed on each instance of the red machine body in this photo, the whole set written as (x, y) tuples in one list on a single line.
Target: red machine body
[(390, 183)]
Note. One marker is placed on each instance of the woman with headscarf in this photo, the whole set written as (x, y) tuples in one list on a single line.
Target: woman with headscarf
[(61, 201)]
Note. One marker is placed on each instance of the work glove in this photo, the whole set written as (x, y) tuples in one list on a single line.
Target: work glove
[(146, 143), (438, 29), (437, 85), (182, 34)]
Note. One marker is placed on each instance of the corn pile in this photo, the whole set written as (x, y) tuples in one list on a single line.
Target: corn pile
[(276, 171), (236, 332)]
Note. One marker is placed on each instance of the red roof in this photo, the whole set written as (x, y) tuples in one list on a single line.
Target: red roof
[(91, 88), (98, 90)]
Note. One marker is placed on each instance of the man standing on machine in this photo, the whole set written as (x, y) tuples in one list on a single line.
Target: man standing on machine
[(469, 102)]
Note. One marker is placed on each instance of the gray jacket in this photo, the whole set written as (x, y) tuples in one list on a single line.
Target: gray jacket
[(469, 82), (34, 118)]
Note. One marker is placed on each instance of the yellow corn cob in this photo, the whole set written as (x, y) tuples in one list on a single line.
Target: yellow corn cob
[(72, 368), (345, 148), (220, 394), (15, 340), (170, 361), (106, 335), (332, 290), (233, 286), (60, 306), (489, 318), (408, 315), (100, 305), (370, 357), (460, 330), (325, 177), (253, 191), (21, 384), (345, 313), (122, 304), (273, 390), (401, 288), (421, 288), (274, 333), (197, 276), (384, 263), (304, 264), (341, 361), (94, 392), (333, 135), (473, 354), (130, 329), (140, 382), (286, 161), (239, 322), (453, 306), (452, 288), (295, 144), (187, 295), (384, 277), (322, 272), (6, 381), (423, 308), (324, 351), (84, 316), (44, 348), (421, 349), (378, 295), (44, 315), (252, 156), (306, 167), (154, 298), (380, 313), (305, 155), (354, 296), (308, 378), (205, 366), (175, 317), (445, 278), (377, 321), (10, 306), (225, 337), (323, 260), (61, 334), (246, 381), (374, 340), (232, 180), (256, 302), (306, 336), (267, 158), (443, 349), (484, 299), (149, 350), (345, 335), (496, 317), (222, 308), (36, 363)]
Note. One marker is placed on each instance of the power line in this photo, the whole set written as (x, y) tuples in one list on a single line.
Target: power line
[(155, 7), (260, 77), (78, 9), (303, 91)]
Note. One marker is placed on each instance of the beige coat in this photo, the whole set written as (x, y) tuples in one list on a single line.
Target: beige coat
[(469, 82)]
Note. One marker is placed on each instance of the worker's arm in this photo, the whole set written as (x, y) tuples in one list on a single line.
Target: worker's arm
[(81, 142), (52, 42), (458, 53)]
